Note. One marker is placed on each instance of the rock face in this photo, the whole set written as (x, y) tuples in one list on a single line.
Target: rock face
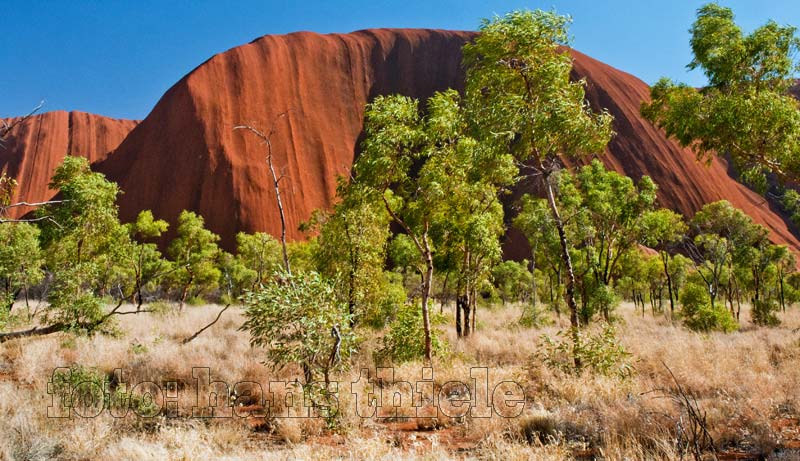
[(187, 155), (35, 147), (685, 184)]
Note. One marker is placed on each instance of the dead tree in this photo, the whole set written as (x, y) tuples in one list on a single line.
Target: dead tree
[(276, 178)]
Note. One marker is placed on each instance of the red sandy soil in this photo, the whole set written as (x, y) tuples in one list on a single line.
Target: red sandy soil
[(35, 147)]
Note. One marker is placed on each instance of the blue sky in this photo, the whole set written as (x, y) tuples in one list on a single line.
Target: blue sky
[(117, 58)]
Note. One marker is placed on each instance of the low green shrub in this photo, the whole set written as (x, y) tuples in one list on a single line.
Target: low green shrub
[(404, 341)]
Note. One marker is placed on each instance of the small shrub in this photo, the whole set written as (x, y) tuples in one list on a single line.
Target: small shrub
[(404, 341), (763, 313), (196, 301), (534, 317), (698, 315), (392, 297), (160, 307), (299, 320), (81, 387), (600, 353)]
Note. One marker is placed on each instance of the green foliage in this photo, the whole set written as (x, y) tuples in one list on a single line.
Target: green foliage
[(142, 263), (301, 255), (81, 387), (83, 242), (513, 280), (746, 111), (608, 217), (402, 342), (763, 312), (391, 297), (600, 298), (260, 255), (352, 250), (699, 315), (294, 317), (437, 183), (194, 253), (599, 353), (20, 261), (520, 93), (662, 228), (7, 187)]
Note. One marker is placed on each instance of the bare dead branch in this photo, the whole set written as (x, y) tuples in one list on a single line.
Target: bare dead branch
[(7, 127), (190, 338), (267, 139)]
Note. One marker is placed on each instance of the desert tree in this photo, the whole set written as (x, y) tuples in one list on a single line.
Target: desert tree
[(20, 262), (663, 230), (80, 238), (277, 175), (745, 111), (352, 247), (723, 238), (261, 254), (194, 253), (522, 99), (415, 165), (144, 262), (300, 320)]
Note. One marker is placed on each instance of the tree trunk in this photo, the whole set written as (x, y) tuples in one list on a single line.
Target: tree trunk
[(473, 299), (567, 260), (426, 293), (665, 260), (184, 294), (459, 302), (466, 305), (781, 292), (443, 297), (533, 278)]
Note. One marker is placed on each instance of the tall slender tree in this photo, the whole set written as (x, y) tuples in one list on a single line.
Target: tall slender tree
[(522, 100)]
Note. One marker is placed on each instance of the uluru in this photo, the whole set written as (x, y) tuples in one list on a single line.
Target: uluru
[(186, 154), (35, 146)]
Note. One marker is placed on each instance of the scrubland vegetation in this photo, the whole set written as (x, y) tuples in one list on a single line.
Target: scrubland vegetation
[(632, 332), (743, 382)]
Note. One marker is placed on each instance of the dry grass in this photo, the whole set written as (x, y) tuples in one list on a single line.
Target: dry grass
[(745, 382)]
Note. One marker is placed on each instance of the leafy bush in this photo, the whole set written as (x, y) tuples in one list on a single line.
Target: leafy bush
[(392, 297), (81, 387), (535, 317), (698, 315), (602, 298), (298, 318), (763, 313), (403, 342), (600, 353)]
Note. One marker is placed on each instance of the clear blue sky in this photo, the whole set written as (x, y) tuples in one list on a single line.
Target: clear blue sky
[(117, 58)]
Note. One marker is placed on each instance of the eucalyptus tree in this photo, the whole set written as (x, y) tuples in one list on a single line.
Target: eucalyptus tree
[(144, 262), (261, 254), (663, 230), (746, 111), (724, 237), (352, 248), (422, 167), (194, 253), (81, 240), (523, 101), (20, 262)]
